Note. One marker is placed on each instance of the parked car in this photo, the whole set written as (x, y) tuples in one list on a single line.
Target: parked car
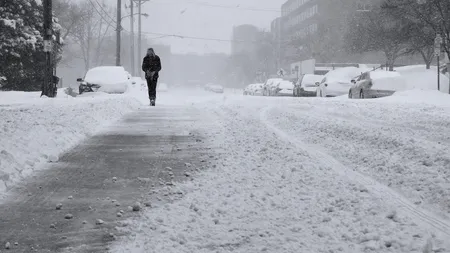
[(284, 88), (257, 89), (214, 88), (270, 85), (375, 84), (337, 82), (248, 89), (254, 89), (306, 85), (108, 79)]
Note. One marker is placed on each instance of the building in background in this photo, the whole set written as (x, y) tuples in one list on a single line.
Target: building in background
[(275, 30), (243, 39), (316, 28)]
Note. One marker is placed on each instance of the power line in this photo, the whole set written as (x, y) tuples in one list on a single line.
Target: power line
[(224, 6), (164, 35), (101, 15), (107, 14)]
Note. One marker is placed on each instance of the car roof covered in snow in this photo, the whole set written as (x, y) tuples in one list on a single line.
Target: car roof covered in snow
[(344, 74), (106, 75), (309, 80)]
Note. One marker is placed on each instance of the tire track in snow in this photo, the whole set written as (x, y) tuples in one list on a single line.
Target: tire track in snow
[(426, 219)]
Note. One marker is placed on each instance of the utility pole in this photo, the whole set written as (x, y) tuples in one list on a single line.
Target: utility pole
[(140, 3), (48, 87), (118, 30), (133, 69), (437, 52)]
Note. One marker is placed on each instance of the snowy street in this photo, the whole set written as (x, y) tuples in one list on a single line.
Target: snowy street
[(221, 173), (315, 176)]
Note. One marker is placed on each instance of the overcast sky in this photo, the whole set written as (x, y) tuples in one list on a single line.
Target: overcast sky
[(196, 18)]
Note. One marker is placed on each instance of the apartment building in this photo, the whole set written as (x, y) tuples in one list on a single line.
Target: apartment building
[(316, 28)]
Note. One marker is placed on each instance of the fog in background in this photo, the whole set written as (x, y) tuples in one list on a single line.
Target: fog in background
[(200, 59)]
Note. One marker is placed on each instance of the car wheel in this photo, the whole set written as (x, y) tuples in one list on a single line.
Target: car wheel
[(361, 94), (350, 94)]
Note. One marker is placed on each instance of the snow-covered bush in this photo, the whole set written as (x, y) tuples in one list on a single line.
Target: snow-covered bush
[(22, 59)]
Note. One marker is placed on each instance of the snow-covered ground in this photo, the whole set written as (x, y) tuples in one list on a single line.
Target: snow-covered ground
[(34, 130), (312, 175)]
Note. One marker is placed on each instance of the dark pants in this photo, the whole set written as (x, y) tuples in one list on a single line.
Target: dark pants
[(151, 85)]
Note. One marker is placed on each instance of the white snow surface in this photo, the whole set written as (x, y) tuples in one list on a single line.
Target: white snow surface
[(311, 175), (112, 79), (10, 23), (35, 130), (418, 77)]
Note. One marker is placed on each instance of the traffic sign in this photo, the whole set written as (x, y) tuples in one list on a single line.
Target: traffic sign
[(48, 46)]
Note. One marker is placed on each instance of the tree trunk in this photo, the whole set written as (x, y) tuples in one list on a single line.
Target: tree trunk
[(427, 57)]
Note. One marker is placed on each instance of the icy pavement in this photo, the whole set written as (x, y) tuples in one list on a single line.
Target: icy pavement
[(311, 175)]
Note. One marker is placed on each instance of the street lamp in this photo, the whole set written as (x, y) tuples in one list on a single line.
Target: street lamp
[(127, 16)]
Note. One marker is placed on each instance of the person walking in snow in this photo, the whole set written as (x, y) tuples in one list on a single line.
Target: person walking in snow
[(151, 65)]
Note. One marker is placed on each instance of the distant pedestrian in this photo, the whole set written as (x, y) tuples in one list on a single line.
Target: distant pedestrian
[(151, 65)]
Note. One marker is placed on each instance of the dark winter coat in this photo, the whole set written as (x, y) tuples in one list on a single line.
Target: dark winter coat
[(151, 63)]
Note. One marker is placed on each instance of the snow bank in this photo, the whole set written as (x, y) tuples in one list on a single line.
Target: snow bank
[(430, 97), (34, 131), (418, 77)]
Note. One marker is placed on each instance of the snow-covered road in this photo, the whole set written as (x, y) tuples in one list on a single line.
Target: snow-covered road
[(312, 175)]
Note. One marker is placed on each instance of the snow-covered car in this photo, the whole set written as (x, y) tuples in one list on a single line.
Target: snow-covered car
[(306, 85), (375, 84), (162, 87), (214, 88), (248, 89), (284, 88), (208, 86), (257, 89), (254, 89), (108, 79), (270, 85), (337, 82)]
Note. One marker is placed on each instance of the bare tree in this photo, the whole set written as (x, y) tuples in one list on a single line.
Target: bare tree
[(378, 30), (87, 29), (431, 14)]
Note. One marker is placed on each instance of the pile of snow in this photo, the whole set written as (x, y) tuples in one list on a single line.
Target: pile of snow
[(34, 130), (418, 77), (430, 97)]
